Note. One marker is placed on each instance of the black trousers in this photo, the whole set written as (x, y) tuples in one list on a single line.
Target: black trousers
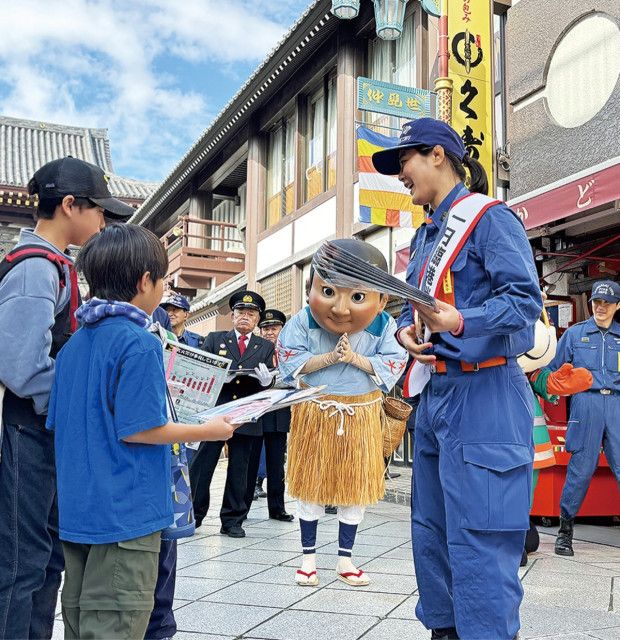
[(275, 450), (234, 505)]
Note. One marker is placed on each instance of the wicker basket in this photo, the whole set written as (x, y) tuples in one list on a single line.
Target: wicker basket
[(396, 413)]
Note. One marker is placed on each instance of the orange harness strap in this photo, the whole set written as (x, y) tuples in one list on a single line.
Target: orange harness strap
[(468, 367)]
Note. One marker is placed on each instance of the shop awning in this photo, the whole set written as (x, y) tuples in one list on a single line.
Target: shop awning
[(576, 194), (572, 195)]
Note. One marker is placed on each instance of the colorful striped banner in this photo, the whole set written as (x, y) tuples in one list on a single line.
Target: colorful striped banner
[(383, 199)]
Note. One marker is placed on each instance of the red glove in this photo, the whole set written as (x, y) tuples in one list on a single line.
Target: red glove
[(568, 380)]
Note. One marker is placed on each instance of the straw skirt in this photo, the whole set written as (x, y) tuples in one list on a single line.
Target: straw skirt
[(327, 468)]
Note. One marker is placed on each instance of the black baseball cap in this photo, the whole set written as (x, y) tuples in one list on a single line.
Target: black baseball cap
[(247, 300), (73, 177), (421, 133), (270, 317)]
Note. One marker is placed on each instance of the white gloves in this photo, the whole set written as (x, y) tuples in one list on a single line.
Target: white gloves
[(264, 375)]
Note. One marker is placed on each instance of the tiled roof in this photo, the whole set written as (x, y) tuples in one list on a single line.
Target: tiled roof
[(26, 145)]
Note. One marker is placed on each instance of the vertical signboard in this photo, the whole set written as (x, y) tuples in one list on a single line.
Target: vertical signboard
[(470, 41)]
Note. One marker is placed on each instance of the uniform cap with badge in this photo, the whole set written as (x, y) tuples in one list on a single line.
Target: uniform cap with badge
[(606, 290), (247, 300), (270, 317)]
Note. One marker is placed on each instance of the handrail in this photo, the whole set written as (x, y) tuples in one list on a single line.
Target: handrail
[(200, 237), (230, 225), (180, 234)]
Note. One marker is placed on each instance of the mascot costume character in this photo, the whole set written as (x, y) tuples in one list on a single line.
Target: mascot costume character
[(345, 340)]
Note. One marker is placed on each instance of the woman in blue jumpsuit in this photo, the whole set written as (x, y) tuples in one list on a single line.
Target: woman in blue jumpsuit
[(473, 433), (594, 414)]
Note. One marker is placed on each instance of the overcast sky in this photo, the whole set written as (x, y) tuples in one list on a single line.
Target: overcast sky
[(153, 72)]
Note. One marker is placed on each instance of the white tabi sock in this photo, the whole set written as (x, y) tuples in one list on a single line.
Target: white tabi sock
[(308, 563), (345, 565)]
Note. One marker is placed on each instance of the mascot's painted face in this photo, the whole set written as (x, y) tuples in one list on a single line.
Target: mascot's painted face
[(545, 344), (339, 310)]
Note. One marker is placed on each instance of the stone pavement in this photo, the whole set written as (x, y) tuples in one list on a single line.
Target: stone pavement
[(398, 491), (244, 588)]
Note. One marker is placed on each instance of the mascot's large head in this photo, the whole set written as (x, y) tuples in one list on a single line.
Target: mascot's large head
[(545, 344), (340, 310)]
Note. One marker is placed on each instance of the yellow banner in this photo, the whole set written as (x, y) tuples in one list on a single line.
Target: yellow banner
[(470, 42)]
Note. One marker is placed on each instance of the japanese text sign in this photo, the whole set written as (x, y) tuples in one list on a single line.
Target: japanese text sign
[(471, 69), (393, 99)]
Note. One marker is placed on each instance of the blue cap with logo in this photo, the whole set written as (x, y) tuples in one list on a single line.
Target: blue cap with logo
[(176, 300), (422, 133), (606, 290)]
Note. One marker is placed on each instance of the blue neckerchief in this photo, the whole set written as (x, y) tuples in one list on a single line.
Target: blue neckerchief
[(95, 310)]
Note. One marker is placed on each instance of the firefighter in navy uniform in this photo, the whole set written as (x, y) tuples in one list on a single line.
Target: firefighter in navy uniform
[(248, 352), (276, 425), (594, 414), (177, 308)]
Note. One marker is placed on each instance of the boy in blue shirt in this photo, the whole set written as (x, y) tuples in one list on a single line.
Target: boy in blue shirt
[(38, 298), (108, 409)]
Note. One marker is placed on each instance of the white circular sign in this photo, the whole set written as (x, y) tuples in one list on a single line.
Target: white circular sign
[(583, 71)]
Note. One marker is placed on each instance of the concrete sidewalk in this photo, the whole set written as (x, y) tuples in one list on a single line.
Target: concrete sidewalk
[(245, 589)]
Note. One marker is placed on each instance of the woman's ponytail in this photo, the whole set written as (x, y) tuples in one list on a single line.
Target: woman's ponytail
[(479, 183)]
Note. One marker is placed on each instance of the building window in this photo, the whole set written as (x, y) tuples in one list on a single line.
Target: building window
[(281, 170), (321, 139), (392, 61), (277, 290)]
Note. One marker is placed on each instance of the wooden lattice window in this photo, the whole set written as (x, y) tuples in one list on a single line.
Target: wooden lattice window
[(277, 290)]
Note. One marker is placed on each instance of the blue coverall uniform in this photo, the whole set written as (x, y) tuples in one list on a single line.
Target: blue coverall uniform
[(594, 414), (191, 339), (473, 433)]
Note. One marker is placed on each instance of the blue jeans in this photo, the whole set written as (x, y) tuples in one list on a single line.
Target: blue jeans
[(31, 559), (262, 465), (162, 623)]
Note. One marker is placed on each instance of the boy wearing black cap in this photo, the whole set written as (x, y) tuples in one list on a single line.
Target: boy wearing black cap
[(38, 294), (248, 352), (594, 345)]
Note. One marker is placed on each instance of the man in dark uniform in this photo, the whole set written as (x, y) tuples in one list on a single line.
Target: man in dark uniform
[(246, 351), (275, 425), (177, 308)]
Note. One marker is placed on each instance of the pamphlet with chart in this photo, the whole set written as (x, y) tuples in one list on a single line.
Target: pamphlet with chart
[(195, 379)]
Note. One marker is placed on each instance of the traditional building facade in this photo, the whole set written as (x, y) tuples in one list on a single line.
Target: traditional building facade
[(563, 71), (276, 172), (26, 145)]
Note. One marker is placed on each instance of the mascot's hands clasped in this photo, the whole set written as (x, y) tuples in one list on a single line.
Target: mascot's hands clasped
[(351, 357)]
